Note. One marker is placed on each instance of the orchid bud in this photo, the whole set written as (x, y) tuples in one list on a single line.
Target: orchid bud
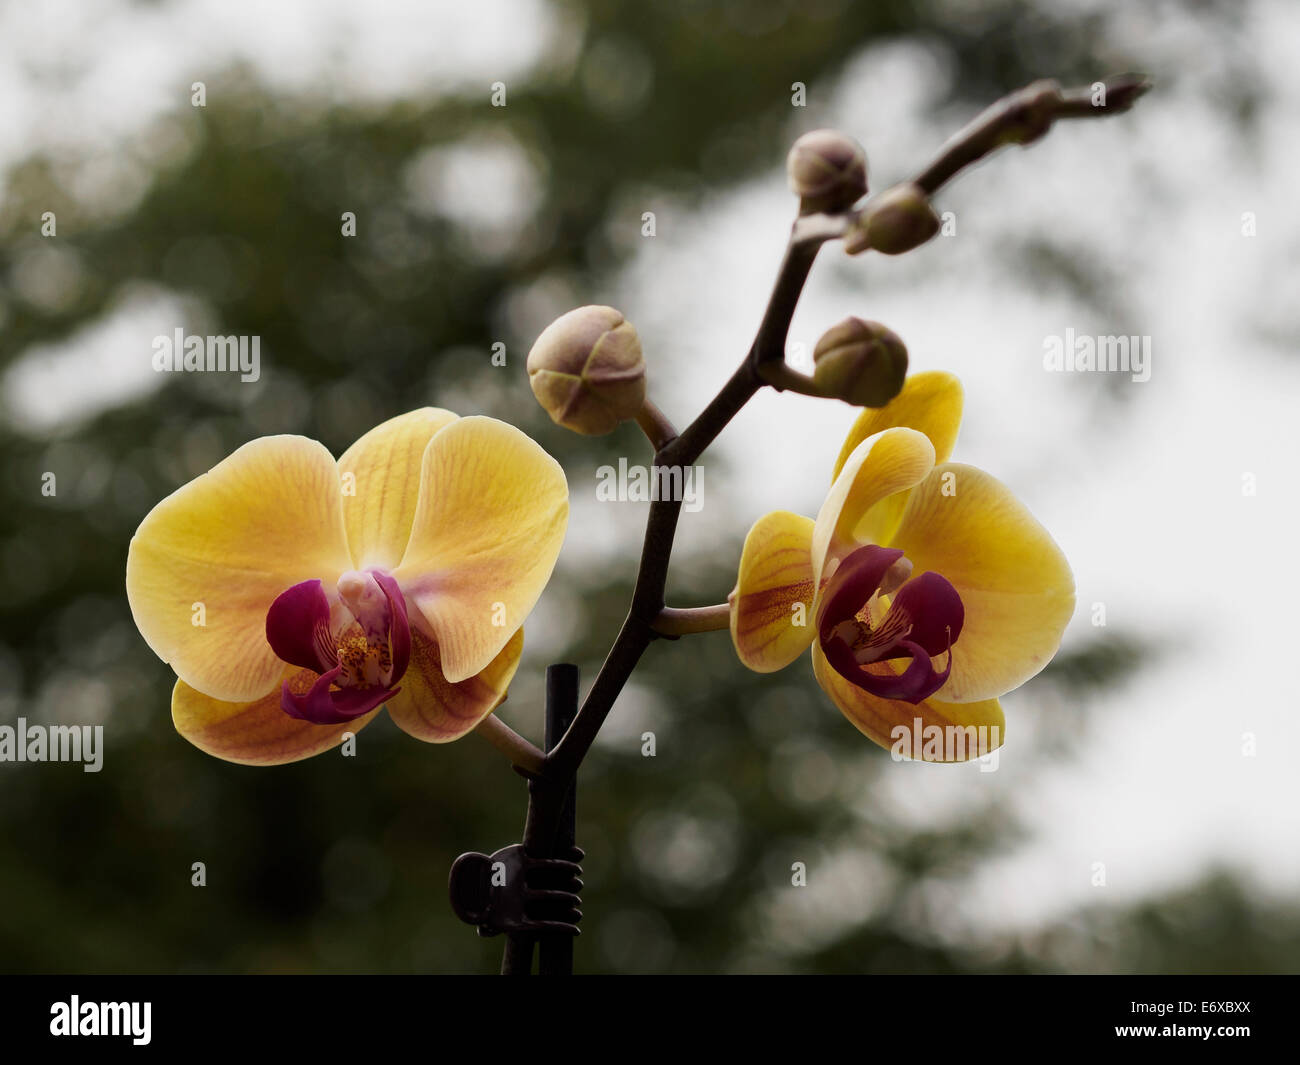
[(827, 170), (860, 362), (897, 220), (1031, 112), (587, 372)]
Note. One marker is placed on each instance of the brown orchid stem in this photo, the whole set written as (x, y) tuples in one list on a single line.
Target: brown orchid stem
[(1022, 118), (638, 629), (522, 753), (685, 621), (657, 428), (785, 378)]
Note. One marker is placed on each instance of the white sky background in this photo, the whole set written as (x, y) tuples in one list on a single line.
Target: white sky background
[(1145, 496)]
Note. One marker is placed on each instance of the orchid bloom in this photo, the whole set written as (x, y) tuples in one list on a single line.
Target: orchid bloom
[(294, 596), (926, 589)]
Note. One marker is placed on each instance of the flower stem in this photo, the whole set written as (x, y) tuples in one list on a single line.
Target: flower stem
[(806, 238), (1021, 118), (657, 428), (523, 754), (784, 378), (685, 621)]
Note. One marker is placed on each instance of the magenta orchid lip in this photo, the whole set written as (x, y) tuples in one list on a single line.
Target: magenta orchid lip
[(923, 621), (360, 647)]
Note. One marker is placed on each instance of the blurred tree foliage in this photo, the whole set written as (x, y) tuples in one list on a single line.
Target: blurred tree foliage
[(337, 864)]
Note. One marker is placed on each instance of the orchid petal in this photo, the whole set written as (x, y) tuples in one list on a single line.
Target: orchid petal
[(384, 488), (1013, 580), (882, 465), (209, 560), (929, 402), (775, 579), (971, 729), (257, 732), (433, 709), (487, 531)]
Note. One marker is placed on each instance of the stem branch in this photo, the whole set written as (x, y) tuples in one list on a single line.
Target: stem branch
[(1022, 118), (686, 621), (657, 428), (806, 238), (520, 751)]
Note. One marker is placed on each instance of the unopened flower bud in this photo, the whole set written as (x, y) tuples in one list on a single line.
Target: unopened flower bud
[(1123, 90), (827, 170), (587, 372), (897, 220), (860, 362), (1031, 111)]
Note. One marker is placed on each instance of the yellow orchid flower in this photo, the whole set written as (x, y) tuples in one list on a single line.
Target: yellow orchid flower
[(926, 589), (294, 595)]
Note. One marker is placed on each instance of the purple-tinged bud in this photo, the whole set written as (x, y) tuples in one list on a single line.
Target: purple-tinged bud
[(587, 372), (898, 220), (827, 170), (1031, 111), (1123, 90), (860, 362)]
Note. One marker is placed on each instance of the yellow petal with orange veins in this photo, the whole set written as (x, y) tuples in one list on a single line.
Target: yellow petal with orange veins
[(487, 531), (381, 485), (207, 562), (772, 604), (1013, 580), (930, 402), (257, 732), (882, 465), (930, 730), (431, 708)]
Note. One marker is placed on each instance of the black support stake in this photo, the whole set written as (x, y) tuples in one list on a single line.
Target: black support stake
[(556, 955), (549, 834)]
